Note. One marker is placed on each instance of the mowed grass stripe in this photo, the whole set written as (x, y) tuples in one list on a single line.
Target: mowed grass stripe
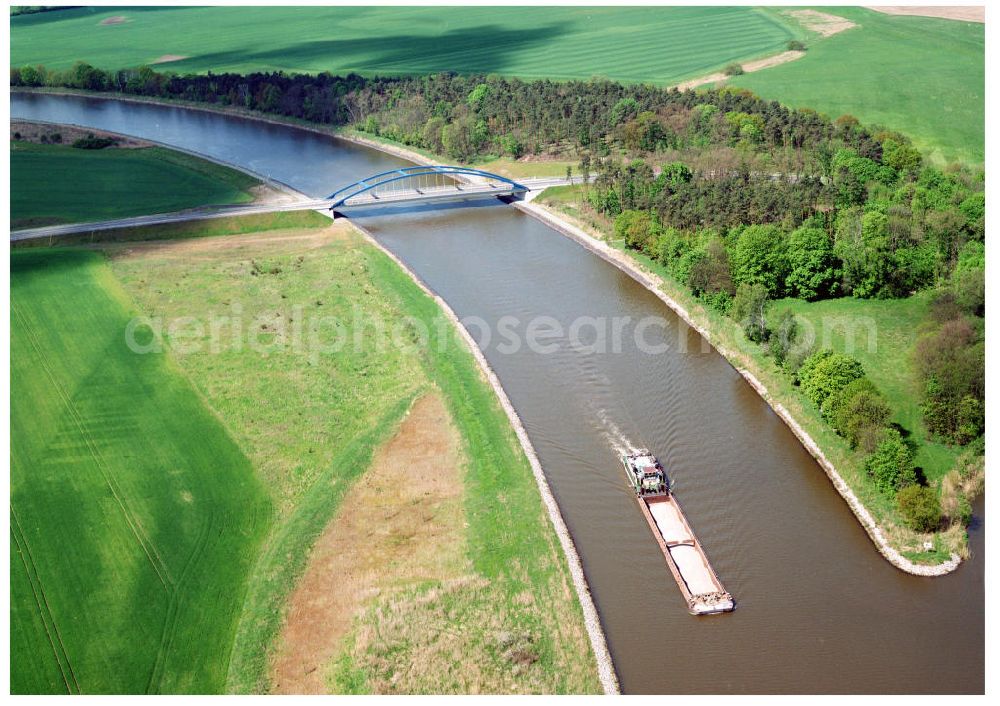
[(140, 515), (565, 42), (631, 53)]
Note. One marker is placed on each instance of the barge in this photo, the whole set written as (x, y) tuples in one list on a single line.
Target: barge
[(698, 582)]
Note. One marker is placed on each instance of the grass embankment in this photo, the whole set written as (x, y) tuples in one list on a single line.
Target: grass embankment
[(135, 517), (310, 422), (60, 184), (627, 43), (922, 76), (887, 363), (881, 333)]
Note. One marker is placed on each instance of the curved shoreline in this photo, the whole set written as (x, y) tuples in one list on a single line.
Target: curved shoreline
[(649, 281), (605, 666), (332, 132), (275, 184)]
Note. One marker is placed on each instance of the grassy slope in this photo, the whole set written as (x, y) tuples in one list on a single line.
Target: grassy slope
[(922, 76), (631, 44), (896, 323), (60, 184), (844, 324), (134, 516), (311, 423)]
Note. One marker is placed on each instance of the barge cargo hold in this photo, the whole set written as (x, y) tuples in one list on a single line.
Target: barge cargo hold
[(695, 577)]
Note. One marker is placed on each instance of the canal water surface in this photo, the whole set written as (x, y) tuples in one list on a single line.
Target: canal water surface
[(818, 610)]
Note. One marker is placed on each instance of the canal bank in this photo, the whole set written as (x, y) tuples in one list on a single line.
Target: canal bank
[(654, 284), (592, 622), (778, 537)]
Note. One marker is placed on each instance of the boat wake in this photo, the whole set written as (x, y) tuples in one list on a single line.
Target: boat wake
[(613, 434)]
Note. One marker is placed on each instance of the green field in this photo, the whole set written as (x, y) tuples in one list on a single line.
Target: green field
[(881, 333), (60, 184), (661, 45), (285, 430), (135, 517), (310, 423), (922, 76)]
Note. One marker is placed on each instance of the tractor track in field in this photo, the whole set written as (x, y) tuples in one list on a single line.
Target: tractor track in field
[(173, 607), (135, 526), (59, 651)]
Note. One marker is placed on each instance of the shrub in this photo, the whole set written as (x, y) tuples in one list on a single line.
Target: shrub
[(706, 268), (796, 356), (890, 466), (951, 365), (635, 228), (970, 290), (858, 412), (781, 339), (796, 45), (920, 508), (733, 69), (748, 309), (721, 301), (92, 143), (827, 374)]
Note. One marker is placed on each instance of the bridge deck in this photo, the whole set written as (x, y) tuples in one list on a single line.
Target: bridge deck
[(452, 191)]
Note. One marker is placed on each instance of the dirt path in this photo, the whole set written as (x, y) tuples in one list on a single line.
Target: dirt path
[(749, 67), (969, 13), (820, 22), (401, 523)]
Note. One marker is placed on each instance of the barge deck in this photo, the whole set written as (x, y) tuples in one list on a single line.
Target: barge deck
[(702, 590)]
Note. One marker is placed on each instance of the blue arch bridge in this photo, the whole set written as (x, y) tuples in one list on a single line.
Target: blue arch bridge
[(407, 184), (431, 183)]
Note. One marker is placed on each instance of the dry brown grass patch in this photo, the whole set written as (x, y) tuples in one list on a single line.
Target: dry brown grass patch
[(821, 22), (114, 20), (167, 58), (402, 523), (968, 13), (230, 247)]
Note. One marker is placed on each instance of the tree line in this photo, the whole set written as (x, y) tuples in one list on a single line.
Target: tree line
[(741, 199)]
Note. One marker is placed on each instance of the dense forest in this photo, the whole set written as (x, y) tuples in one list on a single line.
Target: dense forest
[(742, 200)]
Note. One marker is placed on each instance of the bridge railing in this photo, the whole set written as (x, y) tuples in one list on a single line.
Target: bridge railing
[(369, 184)]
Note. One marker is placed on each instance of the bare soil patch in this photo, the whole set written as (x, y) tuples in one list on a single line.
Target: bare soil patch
[(233, 246), (821, 22), (402, 523), (167, 58), (749, 67), (968, 13), (115, 20), (33, 132)]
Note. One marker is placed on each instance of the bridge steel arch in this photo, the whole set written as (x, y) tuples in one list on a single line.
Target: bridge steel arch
[(341, 196)]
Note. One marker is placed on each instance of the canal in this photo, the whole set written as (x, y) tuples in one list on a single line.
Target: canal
[(818, 610)]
